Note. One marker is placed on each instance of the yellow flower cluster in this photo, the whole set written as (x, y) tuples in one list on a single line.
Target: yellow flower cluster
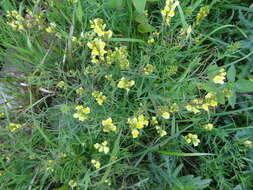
[(172, 70), (220, 77), (98, 51), (125, 84), (51, 28), (97, 45), (80, 91), (118, 56), (108, 125), (192, 139), (199, 104), (160, 131), (50, 165), (203, 12), (100, 98), (169, 10), (96, 163), (19, 23), (148, 69), (164, 112), (151, 39), (136, 123), (102, 147), (13, 127), (81, 112), (98, 27), (62, 85), (174, 108), (208, 126), (72, 183)]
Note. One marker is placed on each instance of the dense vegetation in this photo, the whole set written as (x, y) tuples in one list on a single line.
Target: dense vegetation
[(126, 94)]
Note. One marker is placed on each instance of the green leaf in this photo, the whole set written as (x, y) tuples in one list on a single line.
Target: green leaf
[(244, 86), (220, 97), (232, 99), (145, 28), (139, 5), (231, 73), (184, 154), (7, 6), (64, 187), (126, 40), (140, 18), (79, 12), (212, 71), (115, 4)]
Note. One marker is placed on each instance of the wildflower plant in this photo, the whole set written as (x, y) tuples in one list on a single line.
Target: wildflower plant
[(125, 91)]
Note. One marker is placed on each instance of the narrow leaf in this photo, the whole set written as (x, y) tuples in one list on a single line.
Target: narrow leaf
[(184, 154)]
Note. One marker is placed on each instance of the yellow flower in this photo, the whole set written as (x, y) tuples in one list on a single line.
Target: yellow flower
[(97, 47), (192, 108), (100, 98), (81, 113), (155, 34), (205, 107), (62, 85), (219, 79), (125, 84), (160, 131), (213, 103), (192, 139), (96, 163), (108, 125), (138, 122), (13, 13), (151, 41), (203, 12), (146, 13), (102, 147), (248, 144), (169, 10), (166, 115), (208, 127), (135, 133), (148, 69), (119, 57), (99, 28), (174, 108), (51, 28), (154, 121), (29, 11), (210, 99), (188, 107), (72, 183), (80, 91), (16, 26), (13, 127)]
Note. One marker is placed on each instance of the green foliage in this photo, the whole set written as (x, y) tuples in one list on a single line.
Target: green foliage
[(73, 85)]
